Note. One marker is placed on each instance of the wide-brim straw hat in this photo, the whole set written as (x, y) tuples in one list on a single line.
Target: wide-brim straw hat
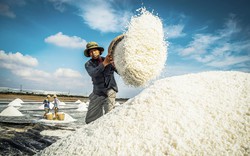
[(92, 45)]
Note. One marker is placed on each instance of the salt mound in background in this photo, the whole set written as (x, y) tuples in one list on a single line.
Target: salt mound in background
[(62, 103), (141, 55), (82, 107), (11, 111), (16, 102), (78, 101), (197, 114)]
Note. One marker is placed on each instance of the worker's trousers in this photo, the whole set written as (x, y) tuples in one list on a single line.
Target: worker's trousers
[(98, 105)]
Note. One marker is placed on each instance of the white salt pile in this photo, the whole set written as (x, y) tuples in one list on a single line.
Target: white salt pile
[(16, 102), (58, 133), (141, 55), (197, 114), (117, 104), (11, 111), (78, 101), (82, 107)]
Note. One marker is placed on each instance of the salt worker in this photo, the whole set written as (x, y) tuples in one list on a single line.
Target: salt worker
[(56, 104), (46, 105), (101, 70)]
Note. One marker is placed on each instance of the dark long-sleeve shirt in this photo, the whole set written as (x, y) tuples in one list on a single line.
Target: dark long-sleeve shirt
[(102, 77)]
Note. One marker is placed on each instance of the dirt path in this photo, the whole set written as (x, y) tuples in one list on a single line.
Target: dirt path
[(28, 97)]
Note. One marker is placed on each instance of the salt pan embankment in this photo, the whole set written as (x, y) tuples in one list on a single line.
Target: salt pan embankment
[(197, 114)]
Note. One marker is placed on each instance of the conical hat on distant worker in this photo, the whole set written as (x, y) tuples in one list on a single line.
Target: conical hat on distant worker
[(92, 45)]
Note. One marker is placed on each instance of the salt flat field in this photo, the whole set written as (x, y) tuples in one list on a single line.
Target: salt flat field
[(25, 132)]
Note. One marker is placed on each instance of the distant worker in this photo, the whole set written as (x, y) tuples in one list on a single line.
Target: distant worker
[(56, 104), (101, 71), (46, 104)]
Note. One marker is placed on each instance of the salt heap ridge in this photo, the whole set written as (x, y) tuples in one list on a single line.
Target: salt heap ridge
[(196, 114)]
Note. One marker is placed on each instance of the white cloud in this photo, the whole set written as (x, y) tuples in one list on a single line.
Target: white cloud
[(230, 28), (32, 74), (228, 61), (62, 40), (174, 31), (199, 45), (67, 73), (105, 16), (17, 59), (23, 68), (106, 19), (60, 4), (5, 11), (221, 49), (204, 59)]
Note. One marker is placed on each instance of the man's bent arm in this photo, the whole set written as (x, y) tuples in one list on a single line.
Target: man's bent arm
[(94, 71)]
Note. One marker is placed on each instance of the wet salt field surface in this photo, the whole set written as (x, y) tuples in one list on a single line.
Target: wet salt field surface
[(26, 135), (24, 139), (33, 114)]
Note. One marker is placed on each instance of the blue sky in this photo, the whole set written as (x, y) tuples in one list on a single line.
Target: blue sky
[(42, 41)]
